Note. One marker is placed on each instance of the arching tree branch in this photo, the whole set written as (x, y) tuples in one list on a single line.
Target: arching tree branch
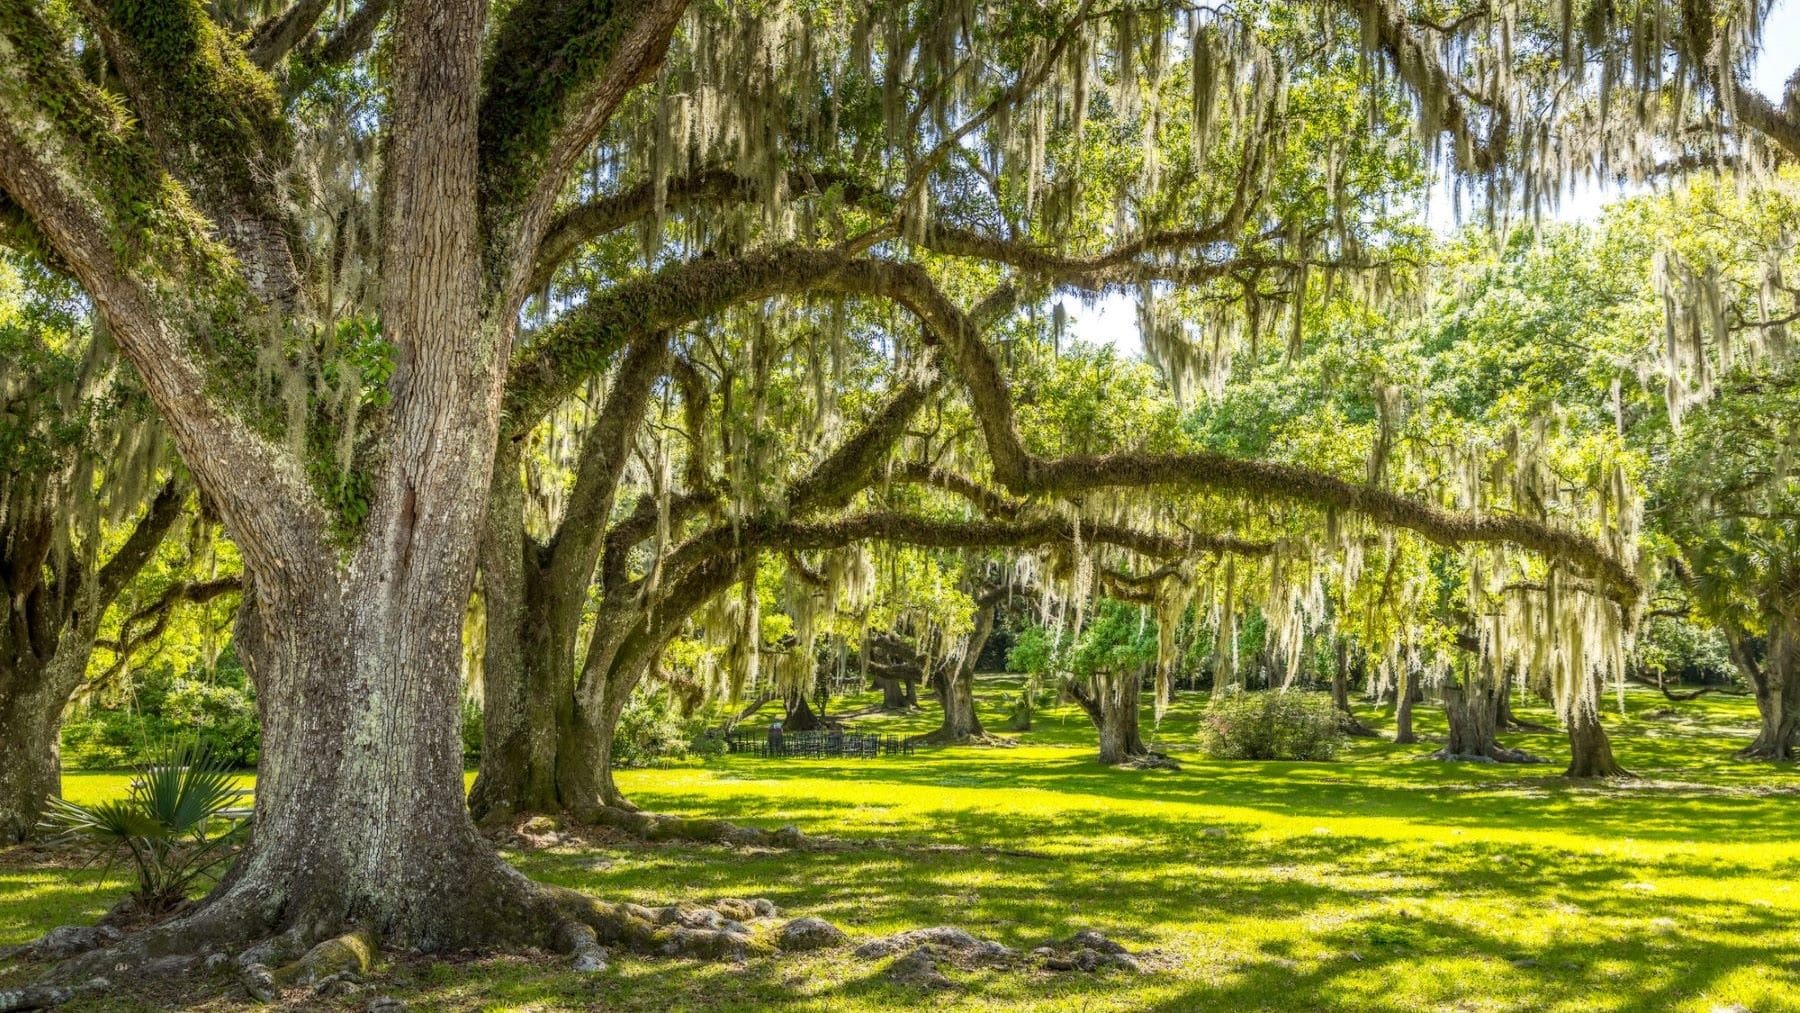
[(277, 35), (89, 180), (557, 71), (599, 216)]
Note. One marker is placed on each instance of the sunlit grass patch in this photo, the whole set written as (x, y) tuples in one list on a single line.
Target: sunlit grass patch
[(1382, 881)]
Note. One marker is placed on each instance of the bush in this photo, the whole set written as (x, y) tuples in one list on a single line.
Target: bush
[(651, 730), (221, 718), (216, 713), (173, 827), (112, 739), (1272, 725)]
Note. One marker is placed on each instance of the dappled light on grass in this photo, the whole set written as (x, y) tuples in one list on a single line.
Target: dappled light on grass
[(1381, 881)]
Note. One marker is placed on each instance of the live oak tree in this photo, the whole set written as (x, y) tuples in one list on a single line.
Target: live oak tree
[(159, 173), (1621, 331), (85, 500), (1729, 500), (1107, 666), (319, 263)]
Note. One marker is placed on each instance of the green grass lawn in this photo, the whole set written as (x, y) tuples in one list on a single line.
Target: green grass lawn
[(1383, 881)]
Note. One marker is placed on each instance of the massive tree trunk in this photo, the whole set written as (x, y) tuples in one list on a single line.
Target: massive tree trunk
[(543, 749), (955, 684), (360, 816), (896, 694), (1590, 752), (799, 716), (1119, 706), (527, 699), (1112, 703), (528, 670), (1777, 687), (48, 625), (31, 708), (1469, 708), (956, 692), (587, 770)]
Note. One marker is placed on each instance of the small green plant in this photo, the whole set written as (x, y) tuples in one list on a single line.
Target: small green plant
[(1271, 725), (173, 826), (653, 732), (473, 722)]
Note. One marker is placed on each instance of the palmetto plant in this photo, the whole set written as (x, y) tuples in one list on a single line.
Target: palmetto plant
[(173, 827)]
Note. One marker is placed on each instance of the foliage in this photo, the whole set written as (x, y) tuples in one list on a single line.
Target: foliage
[(169, 826), (653, 731), (1271, 725), (216, 710), (1035, 651), (1729, 498), (1120, 639), (1685, 651), (472, 726)]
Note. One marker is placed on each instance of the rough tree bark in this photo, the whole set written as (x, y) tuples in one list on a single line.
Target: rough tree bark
[(1404, 695), (1777, 688), (1113, 703), (360, 818), (955, 685), (1470, 711), (534, 595), (31, 708), (896, 694)]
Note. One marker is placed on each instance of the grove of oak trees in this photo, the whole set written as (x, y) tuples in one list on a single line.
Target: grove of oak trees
[(357, 254)]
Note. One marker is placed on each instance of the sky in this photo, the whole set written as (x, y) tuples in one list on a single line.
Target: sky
[(1113, 319)]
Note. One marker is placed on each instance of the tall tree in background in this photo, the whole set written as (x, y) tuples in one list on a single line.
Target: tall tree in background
[(84, 503), (1731, 502)]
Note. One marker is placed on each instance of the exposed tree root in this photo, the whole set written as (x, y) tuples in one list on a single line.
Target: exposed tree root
[(1513, 723), (1499, 754), (1352, 725), (581, 927), (1611, 773), (1687, 695), (662, 827), (1149, 761), (946, 737), (45, 996), (1760, 750), (539, 832)]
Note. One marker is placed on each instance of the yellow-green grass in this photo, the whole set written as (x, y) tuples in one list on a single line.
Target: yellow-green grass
[(1381, 881)]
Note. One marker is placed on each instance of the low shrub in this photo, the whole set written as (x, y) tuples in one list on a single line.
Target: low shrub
[(654, 732), (1271, 725), (220, 718), (174, 828), (214, 712)]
